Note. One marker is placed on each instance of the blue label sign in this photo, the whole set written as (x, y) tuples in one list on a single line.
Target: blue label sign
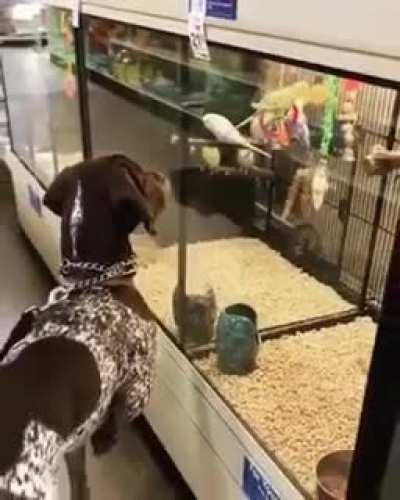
[(255, 485), (223, 9), (35, 201)]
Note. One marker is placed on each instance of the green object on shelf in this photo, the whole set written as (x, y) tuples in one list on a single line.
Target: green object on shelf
[(147, 72), (118, 70), (237, 340), (132, 74), (328, 123), (100, 61)]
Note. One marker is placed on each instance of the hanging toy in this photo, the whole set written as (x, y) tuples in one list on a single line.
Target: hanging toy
[(307, 192), (269, 129), (352, 85), (320, 175), (319, 184), (328, 122), (310, 185), (347, 129), (225, 131), (297, 126), (272, 109), (347, 119), (284, 130), (298, 202)]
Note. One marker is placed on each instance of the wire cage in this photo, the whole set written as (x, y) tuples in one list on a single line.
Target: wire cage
[(357, 222)]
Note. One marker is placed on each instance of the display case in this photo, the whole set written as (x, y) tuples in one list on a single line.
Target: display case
[(269, 267), (44, 114), (44, 122), (276, 245)]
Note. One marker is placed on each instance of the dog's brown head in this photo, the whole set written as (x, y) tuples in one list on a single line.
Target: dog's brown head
[(100, 203)]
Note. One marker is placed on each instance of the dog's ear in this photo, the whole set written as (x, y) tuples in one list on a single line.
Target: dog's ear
[(59, 190), (129, 200)]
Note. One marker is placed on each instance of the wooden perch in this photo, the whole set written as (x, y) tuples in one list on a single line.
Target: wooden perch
[(252, 171), (381, 161)]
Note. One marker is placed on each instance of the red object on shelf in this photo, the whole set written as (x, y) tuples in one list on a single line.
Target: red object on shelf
[(352, 85)]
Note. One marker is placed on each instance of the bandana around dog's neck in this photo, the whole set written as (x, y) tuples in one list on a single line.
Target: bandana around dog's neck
[(78, 275)]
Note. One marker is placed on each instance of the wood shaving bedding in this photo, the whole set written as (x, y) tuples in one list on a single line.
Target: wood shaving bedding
[(239, 270), (304, 399)]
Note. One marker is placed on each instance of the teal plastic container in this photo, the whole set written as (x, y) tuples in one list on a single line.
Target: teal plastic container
[(237, 340)]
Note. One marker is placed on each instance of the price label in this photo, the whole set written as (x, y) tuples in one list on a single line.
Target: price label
[(255, 485), (197, 30), (223, 9)]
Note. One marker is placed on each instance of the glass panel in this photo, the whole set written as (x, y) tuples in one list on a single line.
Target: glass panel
[(63, 92), (44, 115), (310, 252), (143, 132), (282, 226)]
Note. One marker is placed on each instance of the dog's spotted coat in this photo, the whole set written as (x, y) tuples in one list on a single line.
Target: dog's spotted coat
[(123, 345)]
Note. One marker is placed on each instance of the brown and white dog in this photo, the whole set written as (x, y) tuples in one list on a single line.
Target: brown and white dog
[(65, 364)]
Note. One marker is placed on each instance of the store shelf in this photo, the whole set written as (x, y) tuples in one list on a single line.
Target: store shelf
[(23, 38), (169, 56), (61, 60), (98, 75)]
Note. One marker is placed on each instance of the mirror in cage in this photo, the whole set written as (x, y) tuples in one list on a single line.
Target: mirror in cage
[(319, 184)]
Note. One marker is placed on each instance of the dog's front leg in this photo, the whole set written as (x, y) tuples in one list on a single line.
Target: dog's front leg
[(76, 464), (106, 435)]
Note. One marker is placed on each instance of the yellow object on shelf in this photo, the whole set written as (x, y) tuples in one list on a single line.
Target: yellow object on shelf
[(283, 99)]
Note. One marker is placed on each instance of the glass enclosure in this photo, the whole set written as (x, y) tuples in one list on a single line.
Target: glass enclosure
[(42, 99), (278, 237), (275, 225), (271, 258)]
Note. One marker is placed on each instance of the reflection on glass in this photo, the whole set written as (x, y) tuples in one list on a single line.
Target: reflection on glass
[(22, 19), (274, 219), (142, 132), (44, 115)]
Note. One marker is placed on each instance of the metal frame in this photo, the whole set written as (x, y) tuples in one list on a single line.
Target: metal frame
[(5, 101), (81, 74), (381, 408), (379, 205)]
